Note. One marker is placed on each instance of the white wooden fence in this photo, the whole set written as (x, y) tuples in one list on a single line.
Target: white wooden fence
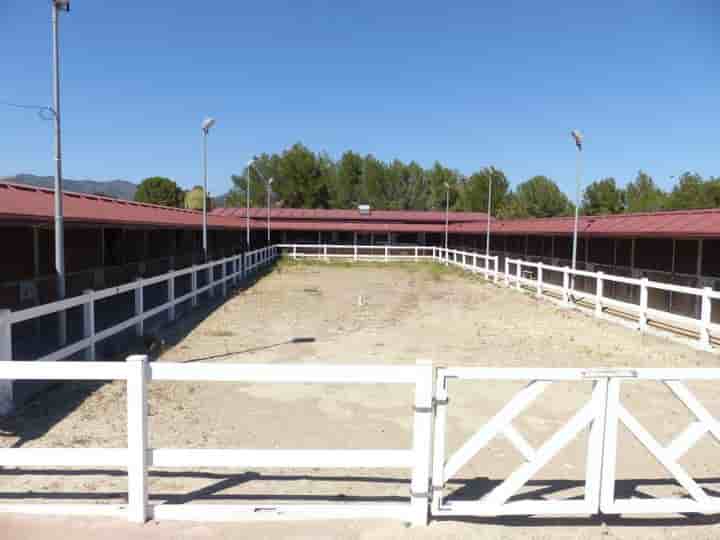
[(533, 276), (474, 262), (430, 464), (231, 270), (138, 457)]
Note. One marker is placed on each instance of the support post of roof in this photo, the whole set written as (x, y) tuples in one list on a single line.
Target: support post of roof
[(102, 246), (139, 308), (36, 251)]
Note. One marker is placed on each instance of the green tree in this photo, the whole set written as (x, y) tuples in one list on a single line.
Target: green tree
[(603, 197), (258, 191), (159, 190), (348, 181), (691, 191), (302, 178), (194, 199), (642, 195), (541, 197), (439, 178), (712, 192), (474, 196)]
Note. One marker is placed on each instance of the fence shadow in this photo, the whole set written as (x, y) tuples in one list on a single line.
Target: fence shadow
[(56, 400), (464, 488)]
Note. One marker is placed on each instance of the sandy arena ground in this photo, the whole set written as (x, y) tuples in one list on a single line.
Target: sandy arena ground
[(364, 314)]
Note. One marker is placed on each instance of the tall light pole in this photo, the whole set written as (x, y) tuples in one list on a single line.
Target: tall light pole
[(247, 206), (251, 165), (447, 210), (491, 170), (578, 142), (269, 183), (206, 125), (57, 7)]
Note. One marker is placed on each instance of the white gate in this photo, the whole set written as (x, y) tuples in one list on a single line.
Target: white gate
[(698, 500), (601, 415)]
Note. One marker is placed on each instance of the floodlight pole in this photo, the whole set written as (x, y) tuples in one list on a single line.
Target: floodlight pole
[(59, 226), (247, 210), (577, 207), (269, 183), (447, 210), (204, 232), (487, 237)]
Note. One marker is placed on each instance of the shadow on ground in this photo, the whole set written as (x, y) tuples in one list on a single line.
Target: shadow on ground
[(464, 488)]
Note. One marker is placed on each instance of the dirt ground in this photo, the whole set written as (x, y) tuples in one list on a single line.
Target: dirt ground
[(371, 314)]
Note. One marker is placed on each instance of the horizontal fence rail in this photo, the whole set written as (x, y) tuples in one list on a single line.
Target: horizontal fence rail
[(138, 456)]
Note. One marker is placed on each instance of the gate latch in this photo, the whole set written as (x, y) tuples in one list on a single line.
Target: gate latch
[(606, 373)]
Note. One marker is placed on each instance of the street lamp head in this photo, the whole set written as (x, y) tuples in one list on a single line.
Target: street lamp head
[(62, 4), (578, 138), (271, 180), (447, 185), (207, 124)]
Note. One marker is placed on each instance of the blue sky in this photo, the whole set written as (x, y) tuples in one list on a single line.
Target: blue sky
[(465, 82)]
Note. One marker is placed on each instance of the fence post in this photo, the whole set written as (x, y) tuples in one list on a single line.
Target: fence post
[(566, 285), (89, 324), (518, 272), (705, 318), (540, 280), (137, 437), (294, 252), (643, 304), (434, 255), (496, 268), (386, 254), (325, 252), (5, 336), (139, 308), (6, 385), (507, 272), (599, 283), (416, 254), (211, 280), (171, 297), (475, 266), (223, 275), (193, 287), (422, 443)]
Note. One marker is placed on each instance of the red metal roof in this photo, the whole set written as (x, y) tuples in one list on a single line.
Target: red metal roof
[(345, 226), (677, 224), (20, 202), (407, 216)]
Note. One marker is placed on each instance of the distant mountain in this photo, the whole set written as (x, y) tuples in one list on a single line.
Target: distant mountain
[(119, 189)]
